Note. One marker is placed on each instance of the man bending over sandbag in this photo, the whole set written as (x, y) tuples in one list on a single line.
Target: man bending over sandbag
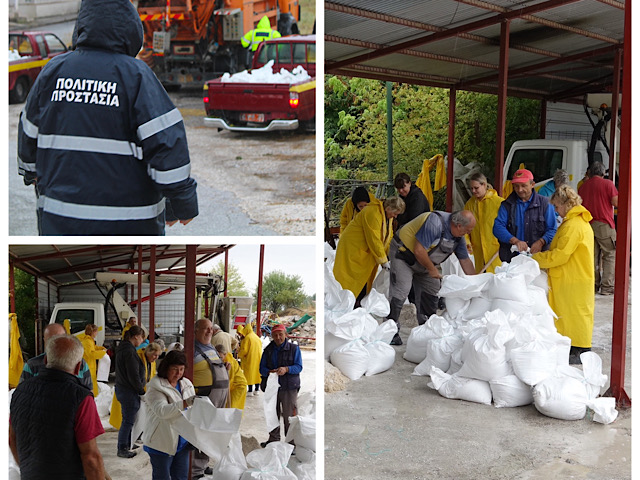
[(416, 251)]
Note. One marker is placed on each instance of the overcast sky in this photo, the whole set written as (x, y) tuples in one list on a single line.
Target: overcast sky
[(290, 259)]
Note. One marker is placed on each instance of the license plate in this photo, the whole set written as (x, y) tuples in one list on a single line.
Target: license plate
[(252, 117)]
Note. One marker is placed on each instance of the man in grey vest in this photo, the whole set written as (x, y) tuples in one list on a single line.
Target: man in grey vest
[(416, 251)]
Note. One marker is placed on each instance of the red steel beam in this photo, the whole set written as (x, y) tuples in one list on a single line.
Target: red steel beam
[(152, 293), (452, 32), (613, 143), (147, 298), (502, 104), (139, 312), (623, 243), (190, 308), (259, 306)]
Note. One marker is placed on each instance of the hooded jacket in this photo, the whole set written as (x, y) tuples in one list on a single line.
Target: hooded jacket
[(100, 137), (262, 32), (250, 353), (569, 264)]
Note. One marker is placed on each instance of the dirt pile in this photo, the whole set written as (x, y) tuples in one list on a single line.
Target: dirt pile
[(334, 380)]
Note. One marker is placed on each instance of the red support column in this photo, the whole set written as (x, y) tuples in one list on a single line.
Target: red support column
[(623, 243), (613, 144), (259, 306), (450, 148), (139, 312), (503, 77), (152, 293), (226, 271), (190, 307)]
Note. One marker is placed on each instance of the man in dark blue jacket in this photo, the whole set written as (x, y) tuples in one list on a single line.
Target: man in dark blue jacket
[(525, 219), (100, 138), (284, 358)]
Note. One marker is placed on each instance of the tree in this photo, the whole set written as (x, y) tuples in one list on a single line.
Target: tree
[(25, 301), (281, 291), (235, 284)]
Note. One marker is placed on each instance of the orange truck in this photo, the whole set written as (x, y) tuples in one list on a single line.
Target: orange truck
[(187, 42)]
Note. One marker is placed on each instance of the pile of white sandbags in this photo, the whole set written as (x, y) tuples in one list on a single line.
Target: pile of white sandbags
[(357, 341), (497, 342), (265, 74)]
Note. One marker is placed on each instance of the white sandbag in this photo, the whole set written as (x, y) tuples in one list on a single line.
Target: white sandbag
[(541, 281), (376, 303), (351, 359), (354, 324), (604, 410), (439, 352), (592, 371), (456, 306), (302, 430), (456, 362), (507, 287), (534, 361), (381, 354), (307, 404), (460, 388), (104, 365), (466, 287), (417, 343), (104, 398), (512, 306), (270, 402), (484, 354), (329, 255), (562, 395), (520, 265), (270, 463), (233, 464), (331, 342), (510, 391), (538, 301), (303, 469), (477, 307), (382, 282), (336, 298)]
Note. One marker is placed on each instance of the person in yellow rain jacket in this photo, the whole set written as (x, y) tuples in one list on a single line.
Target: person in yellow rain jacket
[(259, 34), (148, 355), (130, 323), (92, 353), (360, 198), (364, 245), (569, 264), (250, 353), (484, 205), (237, 380)]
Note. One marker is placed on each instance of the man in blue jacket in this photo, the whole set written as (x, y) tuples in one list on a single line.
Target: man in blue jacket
[(100, 138), (284, 358), (525, 219)]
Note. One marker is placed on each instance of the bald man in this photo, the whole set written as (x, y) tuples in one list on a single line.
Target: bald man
[(416, 252), (33, 365)]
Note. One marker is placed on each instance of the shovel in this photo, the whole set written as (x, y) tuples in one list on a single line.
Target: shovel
[(489, 262)]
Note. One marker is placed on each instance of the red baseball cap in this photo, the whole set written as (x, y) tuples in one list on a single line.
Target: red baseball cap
[(277, 328), (522, 176)]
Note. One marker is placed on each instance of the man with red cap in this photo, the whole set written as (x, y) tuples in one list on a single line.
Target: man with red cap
[(284, 358), (525, 219)]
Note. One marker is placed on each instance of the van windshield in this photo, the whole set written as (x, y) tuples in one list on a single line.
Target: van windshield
[(78, 318), (542, 162)]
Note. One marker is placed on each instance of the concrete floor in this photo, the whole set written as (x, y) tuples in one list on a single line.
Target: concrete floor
[(392, 425), (252, 428)]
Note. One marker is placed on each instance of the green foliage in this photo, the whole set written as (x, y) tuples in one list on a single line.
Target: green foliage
[(356, 127), (281, 291), (235, 284), (25, 300)]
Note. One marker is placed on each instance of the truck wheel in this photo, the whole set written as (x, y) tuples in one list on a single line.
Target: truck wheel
[(310, 125), (287, 25), (20, 91)]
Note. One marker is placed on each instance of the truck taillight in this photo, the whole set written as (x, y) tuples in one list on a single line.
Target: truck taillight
[(294, 100), (205, 99)]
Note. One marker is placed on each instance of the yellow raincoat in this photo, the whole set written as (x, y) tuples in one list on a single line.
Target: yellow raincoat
[(237, 383), (569, 263), (484, 244), (362, 247), (250, 353), (348, 213), (92, 353), (115, 416), (16, 362)]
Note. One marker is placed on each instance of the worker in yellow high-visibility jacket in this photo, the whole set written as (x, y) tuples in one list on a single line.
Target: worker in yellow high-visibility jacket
[(259, 34)]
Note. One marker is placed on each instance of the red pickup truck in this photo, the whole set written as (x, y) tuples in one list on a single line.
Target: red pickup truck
[(28, 53), (263, 107)]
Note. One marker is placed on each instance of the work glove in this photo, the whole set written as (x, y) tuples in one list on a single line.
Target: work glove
[(386, 266), (189, 401)]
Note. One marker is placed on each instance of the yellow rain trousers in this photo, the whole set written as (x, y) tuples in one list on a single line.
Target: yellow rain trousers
[(92, 353), (115, 417), (250, 353), (349, 213), (237, 383), (484, 244), (569, 263), (362, 247), (16, 362)]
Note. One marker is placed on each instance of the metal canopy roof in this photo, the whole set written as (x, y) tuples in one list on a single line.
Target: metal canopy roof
[(558, 49), (65, 264)]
